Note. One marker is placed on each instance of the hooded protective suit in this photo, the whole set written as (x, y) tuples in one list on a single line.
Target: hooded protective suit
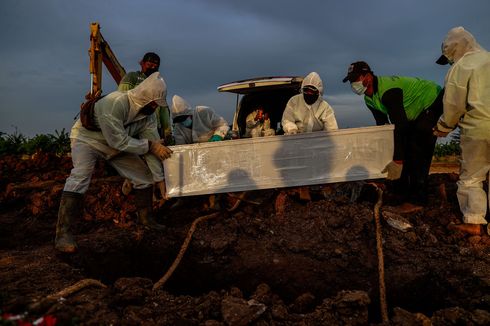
[(300, 117), (205, 123), (257, 128), (467, 104), (123, 137)]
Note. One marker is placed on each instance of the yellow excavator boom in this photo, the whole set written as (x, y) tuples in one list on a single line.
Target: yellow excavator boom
[(99, 52)]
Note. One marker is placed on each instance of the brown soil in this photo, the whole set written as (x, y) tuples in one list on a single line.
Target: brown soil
[(275, 260), (444, 167)]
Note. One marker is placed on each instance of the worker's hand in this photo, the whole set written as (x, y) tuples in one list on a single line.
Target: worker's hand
[(291, 132), (127, 187), (160, 151), (215, 138), (394, 169), (439, 133)]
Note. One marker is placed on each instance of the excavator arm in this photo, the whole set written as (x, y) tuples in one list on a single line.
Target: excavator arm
[(99, 52)]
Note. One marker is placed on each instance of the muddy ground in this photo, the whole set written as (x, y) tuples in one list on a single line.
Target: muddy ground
[(274, 260)]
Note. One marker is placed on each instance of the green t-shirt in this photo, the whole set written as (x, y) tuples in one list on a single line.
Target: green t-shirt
[(131, 80), (418, 94)]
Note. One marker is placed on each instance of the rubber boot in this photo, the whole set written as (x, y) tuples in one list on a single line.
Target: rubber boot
[(70, 208), (144, 206)]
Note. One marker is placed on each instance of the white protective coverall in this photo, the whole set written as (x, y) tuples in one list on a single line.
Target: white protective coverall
[(123, 137), (467, 104), (205, 123), (257, 128), (300, 117)]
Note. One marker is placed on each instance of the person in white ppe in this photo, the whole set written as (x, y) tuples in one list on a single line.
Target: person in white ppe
[(308, 111), (125, 128), (258, 124), (196, 125), (467, 105)]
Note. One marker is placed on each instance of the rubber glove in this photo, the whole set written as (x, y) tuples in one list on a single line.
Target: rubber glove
[(160, 151), (216, 138), (394, 169)]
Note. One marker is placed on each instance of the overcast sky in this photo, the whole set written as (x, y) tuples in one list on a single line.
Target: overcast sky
[(205, 43)]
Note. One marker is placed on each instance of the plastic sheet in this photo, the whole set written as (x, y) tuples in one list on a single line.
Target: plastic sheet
[(279, 161)]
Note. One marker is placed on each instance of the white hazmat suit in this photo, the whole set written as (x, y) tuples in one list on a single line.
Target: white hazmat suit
[(467, 104), (258, 128), (123, 137), (300, 117), (205, 123)]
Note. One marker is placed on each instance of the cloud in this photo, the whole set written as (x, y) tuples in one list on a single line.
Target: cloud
[(44, 59)]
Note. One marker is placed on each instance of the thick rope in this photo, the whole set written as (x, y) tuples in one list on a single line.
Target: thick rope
[(183, 249), (45, 303), (381, 264)]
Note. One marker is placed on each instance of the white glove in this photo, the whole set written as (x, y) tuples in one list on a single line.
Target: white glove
[(160, 151), (394, 170)]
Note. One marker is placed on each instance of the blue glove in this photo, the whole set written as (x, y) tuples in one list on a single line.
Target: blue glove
[(216, 138)]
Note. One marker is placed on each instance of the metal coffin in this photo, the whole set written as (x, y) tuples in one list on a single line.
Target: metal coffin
[(279, 161)]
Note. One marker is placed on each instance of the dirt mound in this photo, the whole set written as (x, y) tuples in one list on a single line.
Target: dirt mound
[(275, 259)]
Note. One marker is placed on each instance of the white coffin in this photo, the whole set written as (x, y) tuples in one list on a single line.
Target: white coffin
[(279, 161)]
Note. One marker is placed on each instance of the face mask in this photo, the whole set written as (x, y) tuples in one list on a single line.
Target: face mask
[(358, 88), (187, 122), (147, 110), (149, 71), (310, 98)]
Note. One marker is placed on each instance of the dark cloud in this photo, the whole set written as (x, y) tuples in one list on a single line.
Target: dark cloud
[(44, 58)]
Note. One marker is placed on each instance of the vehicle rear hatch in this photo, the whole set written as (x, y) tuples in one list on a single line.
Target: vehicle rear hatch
[(272, 93)]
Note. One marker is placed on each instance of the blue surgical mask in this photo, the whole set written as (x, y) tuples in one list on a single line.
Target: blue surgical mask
[(187, 122), (358, 87)]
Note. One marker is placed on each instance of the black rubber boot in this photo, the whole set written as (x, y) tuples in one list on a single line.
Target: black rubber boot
[(70, 208), (144, 206)]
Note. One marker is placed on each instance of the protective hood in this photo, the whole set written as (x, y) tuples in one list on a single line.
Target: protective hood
[(205, 123), (457, 43), (313, 79), (151, 89), (180, 107)]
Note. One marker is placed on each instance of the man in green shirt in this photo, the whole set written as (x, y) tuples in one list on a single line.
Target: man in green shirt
[(150, 64), (413, 105)]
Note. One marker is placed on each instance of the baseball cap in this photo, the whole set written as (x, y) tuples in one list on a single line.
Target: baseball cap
[(355, 69), (151, 57)]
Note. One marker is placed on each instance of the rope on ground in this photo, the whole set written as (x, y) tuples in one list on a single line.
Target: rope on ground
[(381, 264), (53, 298), (183, 249)]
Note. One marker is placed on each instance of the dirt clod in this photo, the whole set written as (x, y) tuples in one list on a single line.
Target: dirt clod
[(273, 260)]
